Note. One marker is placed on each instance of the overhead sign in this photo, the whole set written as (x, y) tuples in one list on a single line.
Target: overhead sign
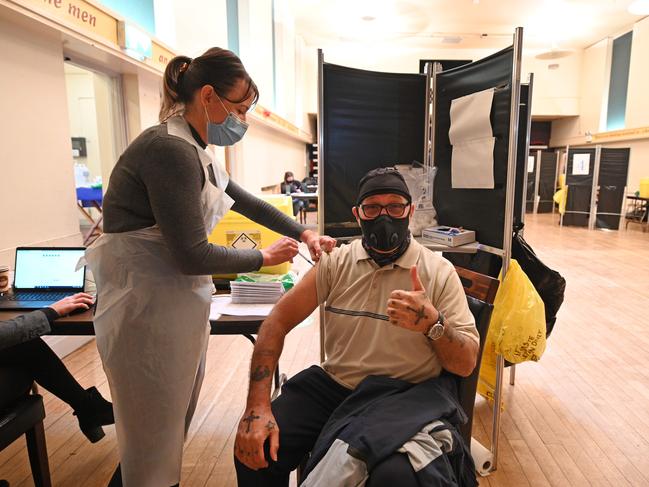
[(77, 13), (134, 42)]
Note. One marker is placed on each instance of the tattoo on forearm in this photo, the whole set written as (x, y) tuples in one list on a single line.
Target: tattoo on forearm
[(420, 313), (260, 373), (249, 419), (270, 426)]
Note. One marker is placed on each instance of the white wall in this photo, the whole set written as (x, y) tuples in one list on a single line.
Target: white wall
[(263, 157), (36, 172), (594, 84), (556, 92), (199, 25), (141, 94), (256, 45)]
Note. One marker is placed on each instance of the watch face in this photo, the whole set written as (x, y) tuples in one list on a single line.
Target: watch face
[(436, 331)]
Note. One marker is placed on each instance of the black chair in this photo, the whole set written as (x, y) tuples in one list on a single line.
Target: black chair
[(309, 208), (480, 293), (25, 417)]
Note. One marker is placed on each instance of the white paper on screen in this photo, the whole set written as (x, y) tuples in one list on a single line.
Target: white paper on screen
[(472, 164), (580, 164), (472, 138)]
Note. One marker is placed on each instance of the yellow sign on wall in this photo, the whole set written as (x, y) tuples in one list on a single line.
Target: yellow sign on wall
[(78, 13), (161, 56)]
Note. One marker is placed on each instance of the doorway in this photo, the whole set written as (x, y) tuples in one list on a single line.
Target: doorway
[(98, 137)]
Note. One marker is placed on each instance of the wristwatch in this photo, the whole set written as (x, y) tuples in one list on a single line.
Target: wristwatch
[(437, 329)]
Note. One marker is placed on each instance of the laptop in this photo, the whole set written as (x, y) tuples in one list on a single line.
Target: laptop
[(43, 276)]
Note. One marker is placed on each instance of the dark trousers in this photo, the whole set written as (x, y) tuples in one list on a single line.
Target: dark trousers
[(307, 401), (32, 361)]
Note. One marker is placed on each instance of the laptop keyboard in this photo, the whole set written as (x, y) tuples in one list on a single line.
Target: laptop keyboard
[(37, 296)]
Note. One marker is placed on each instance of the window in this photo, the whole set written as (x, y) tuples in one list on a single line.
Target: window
[(619, 82)]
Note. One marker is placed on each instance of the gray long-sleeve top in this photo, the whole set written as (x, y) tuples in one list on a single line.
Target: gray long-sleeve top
[(158, 180), (26, 327)]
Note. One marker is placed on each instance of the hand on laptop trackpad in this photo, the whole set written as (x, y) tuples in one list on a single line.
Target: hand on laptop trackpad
[(79, 311)]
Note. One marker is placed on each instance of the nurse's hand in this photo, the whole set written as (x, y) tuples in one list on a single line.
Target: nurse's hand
[(72, 303), (317, 243), (256, 425), (281, 251)]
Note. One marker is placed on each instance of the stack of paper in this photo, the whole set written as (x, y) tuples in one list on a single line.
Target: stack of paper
[(256, 292)]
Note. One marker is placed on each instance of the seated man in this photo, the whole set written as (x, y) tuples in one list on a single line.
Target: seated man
[(393, 309)]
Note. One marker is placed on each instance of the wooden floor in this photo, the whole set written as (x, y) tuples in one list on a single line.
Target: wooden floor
[(578, 417)]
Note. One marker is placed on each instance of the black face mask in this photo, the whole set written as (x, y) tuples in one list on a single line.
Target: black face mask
[(385, 233)]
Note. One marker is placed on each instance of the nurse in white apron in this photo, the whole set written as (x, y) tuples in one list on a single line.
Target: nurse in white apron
[(152, 315)]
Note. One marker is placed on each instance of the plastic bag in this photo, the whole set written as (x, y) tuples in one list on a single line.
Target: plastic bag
[(288, 280), (419, 180), (517, 328), (550, 285)]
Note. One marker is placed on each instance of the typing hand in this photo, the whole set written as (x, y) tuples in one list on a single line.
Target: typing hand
[(72, 303), (255, 427), (412, 310)]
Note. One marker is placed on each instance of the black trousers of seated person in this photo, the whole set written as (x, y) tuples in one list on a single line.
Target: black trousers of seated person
[(31, 361), (307, 401)]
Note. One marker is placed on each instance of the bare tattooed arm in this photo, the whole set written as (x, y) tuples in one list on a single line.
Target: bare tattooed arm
[(258, 422), (413, 311)]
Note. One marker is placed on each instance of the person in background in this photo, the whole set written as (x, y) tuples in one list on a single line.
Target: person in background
[(25, 358), (290, 185)]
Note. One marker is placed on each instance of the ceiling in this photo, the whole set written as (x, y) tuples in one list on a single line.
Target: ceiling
[(461, 24)]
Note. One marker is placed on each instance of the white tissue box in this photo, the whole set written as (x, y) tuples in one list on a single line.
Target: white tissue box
[(453, 237)]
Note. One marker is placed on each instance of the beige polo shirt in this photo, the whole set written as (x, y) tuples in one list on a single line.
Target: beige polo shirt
[(359, 338)]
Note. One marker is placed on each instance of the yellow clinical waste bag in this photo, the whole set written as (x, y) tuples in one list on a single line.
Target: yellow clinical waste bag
[(517, 329), (235, 230)]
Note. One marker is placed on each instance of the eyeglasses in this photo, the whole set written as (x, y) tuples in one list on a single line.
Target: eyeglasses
[(395, 210)]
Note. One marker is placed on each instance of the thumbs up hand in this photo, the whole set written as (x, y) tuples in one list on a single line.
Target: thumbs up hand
[(412, 309)]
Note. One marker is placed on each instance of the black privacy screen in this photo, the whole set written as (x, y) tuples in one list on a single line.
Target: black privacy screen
[(613, 172), (580, 187), (521, 155), (370, 120), (481, 210), (547, 181)]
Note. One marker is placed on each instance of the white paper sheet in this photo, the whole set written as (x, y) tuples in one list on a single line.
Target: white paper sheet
[(223, 305), (470, 117), (580, 164), (472, 164), (472, 138), (530, 163)]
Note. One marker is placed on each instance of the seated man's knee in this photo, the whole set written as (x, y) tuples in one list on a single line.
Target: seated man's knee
[(394, 470)]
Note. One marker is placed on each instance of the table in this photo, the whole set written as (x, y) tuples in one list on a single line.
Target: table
[(82, 325), (91, 198), (637, 211), (308, 197)]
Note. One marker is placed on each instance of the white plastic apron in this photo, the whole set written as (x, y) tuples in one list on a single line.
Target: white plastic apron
[(152, 328)]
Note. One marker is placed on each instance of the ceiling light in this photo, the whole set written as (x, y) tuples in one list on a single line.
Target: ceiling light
[(554, 54), (639, 7), (451, 40)]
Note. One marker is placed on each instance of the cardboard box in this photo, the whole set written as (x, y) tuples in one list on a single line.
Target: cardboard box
[(453, 237)]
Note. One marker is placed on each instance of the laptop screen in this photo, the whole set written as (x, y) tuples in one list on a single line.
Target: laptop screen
[(52, 268)]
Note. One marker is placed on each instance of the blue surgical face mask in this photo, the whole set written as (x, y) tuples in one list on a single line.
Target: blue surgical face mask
[(228, 132)]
